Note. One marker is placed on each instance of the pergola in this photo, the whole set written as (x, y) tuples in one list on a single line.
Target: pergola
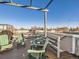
[(44, 10)]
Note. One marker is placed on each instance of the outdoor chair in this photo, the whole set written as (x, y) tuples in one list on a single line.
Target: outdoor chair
[(20, 40), (4, 43)]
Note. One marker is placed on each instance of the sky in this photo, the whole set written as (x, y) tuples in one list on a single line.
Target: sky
[(61, 13)]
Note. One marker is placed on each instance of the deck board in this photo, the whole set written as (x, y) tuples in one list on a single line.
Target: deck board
[(51, 55)]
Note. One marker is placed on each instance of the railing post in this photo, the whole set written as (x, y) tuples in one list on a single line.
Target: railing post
[(73, 44), (58, 47)]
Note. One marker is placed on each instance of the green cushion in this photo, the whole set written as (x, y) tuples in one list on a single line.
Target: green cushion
[(4, 40), (20, 38), (36, 54), (36, 51), (6, 47)]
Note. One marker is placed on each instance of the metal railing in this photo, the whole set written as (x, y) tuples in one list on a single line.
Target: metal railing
[(56, 43)]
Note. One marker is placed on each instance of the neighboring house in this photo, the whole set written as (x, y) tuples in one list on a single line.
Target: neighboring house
[(6, 27)]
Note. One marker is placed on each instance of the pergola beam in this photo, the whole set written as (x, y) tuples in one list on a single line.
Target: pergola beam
[(33, 8), (29, 7)]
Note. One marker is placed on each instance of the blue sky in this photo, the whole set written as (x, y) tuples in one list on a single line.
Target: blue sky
[(61, 13)]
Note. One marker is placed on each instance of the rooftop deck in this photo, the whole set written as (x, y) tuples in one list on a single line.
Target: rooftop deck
[(21, 52)]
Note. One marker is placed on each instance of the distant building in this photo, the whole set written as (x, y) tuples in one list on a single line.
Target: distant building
[(6, 27), (52, 31), (74, 29), (63, 29), (25, 31), (39, 30)]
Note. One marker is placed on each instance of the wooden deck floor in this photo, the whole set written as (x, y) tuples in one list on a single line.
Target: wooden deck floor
[(51, 55), (21, 53)]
